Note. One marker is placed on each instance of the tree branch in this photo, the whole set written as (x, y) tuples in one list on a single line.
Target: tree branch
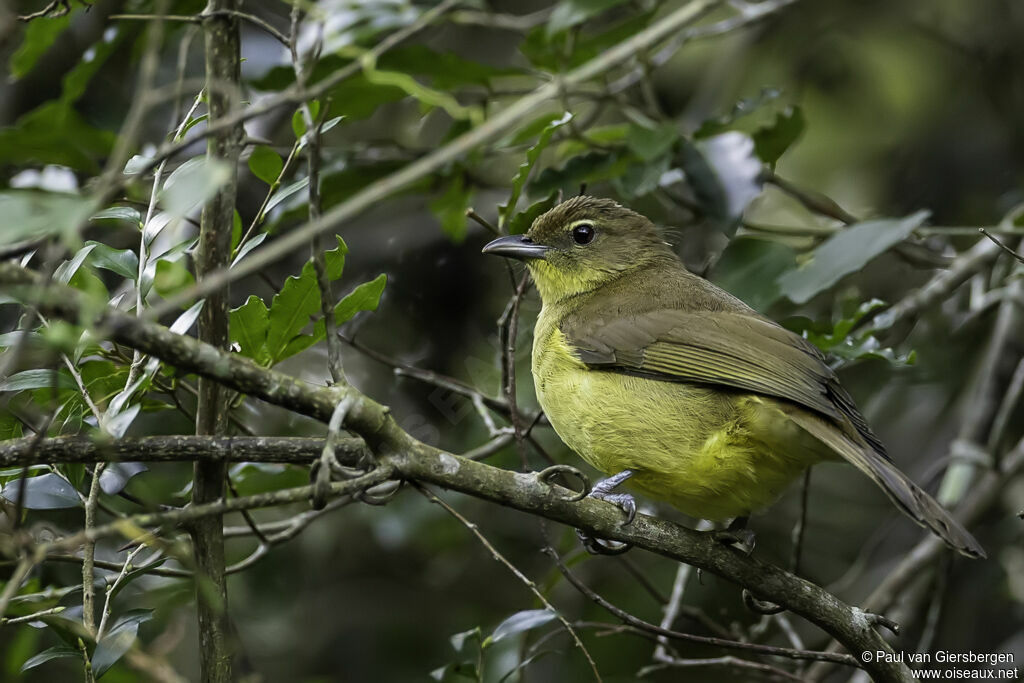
[(412, 459)]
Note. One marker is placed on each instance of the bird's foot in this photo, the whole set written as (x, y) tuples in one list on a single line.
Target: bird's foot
[(603, 490), (737, 534)]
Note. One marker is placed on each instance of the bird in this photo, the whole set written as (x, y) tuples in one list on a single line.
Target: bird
[(671, 385)]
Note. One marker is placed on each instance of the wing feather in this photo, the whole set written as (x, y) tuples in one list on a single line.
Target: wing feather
[(736, 350)]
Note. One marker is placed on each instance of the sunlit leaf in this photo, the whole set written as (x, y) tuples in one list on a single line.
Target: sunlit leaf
[(192, 184), (520, 622), (724, 174)]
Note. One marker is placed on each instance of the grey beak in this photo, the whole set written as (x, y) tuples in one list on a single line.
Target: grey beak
[(517, 247)]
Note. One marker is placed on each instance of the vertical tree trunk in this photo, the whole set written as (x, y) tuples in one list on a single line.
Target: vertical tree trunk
[(222, 77)]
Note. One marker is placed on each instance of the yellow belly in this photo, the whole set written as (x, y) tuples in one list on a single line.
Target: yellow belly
[(711, 454)]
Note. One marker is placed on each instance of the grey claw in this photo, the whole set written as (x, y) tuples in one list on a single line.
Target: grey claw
[(603, 491), (624, 501), (599, 546)]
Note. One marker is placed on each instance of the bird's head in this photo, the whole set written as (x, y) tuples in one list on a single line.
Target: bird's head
[(582, 244)]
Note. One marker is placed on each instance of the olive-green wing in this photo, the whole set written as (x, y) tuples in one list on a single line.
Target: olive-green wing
[(728, 349), (743, 351)]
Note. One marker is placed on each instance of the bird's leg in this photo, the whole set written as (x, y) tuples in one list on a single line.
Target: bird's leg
[(737, 534), (603, 491)]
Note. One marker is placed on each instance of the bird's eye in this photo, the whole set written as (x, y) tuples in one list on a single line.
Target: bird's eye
[(583, 233)]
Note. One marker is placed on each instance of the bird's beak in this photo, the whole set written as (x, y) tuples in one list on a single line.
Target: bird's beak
[(517, 247)]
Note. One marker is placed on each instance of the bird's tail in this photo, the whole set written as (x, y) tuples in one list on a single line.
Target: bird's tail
[(907, 495)]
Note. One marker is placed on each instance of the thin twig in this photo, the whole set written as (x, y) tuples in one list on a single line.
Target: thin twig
[(1001, 245), (110, 590), (628, 618), (515, 570), (89, 553)]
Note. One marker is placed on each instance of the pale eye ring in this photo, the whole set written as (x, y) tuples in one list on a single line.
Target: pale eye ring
[(583, 233)]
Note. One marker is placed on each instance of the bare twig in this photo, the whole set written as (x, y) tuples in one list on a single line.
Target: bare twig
[(475, 530), (1001, 245), (631, 620), (89, 554)]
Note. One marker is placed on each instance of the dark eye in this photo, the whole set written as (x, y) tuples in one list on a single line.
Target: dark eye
[(583, 233)]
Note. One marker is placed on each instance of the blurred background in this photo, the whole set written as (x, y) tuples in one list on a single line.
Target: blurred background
[(860, 110)]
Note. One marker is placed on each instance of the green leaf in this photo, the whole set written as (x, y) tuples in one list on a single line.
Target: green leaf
[(772, 141), (365, 297), (846, 251), (45, 492), (192, 184), (747, 115), (641, 178), (54, 132), (248, 246), (840, 340), (520, 622), (446, 70), (236, 230), (750, 267), (285, 192), (450, 208), (30, 214), (291, 309), (569, 13), (651, 142), (587, 168), (265, 164), (334, 259), (506, 210), (171, 277), (10, 426), (55, 652), (67, 270), (460, 640), (358, 98), (248, 324), (85, 281), (118, 640), (299, 118), (522, 221), (37, 379), (551, 53), (124, 262), (120, 213), (39, 36)]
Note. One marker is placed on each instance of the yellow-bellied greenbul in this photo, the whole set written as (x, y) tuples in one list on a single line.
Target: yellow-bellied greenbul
[(654, 374)]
